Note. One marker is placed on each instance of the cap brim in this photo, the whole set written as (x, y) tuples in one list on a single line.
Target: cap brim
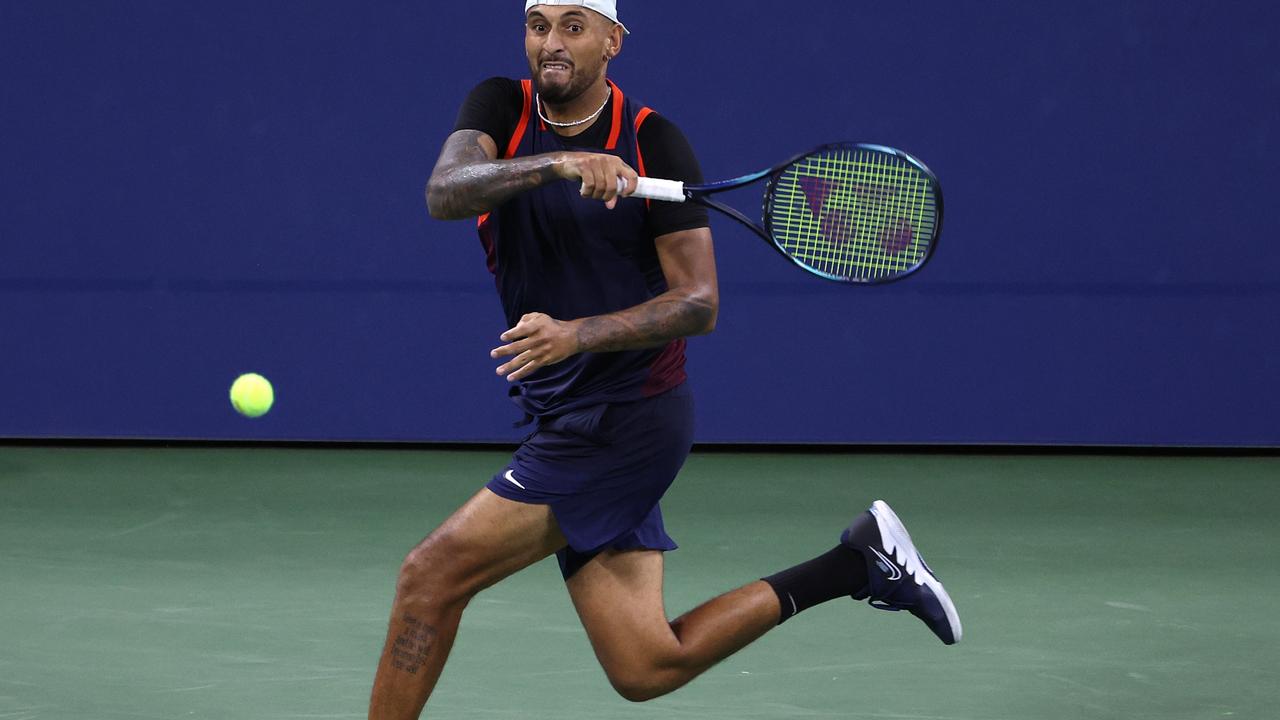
[(531, 5)]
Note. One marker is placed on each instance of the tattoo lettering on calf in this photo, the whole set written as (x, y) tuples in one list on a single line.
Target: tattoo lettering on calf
[(410, 650)]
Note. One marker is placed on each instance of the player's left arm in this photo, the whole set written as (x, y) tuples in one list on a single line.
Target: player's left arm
[(688, 307)]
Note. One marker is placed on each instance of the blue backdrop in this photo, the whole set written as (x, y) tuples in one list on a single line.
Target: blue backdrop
[(194, 190)]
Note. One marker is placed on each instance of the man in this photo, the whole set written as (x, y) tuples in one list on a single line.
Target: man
[(600, 290)]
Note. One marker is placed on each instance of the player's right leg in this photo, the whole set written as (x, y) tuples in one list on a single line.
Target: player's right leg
[(486, 540)]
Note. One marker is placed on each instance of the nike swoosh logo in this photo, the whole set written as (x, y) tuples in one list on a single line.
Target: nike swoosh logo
[(897, 572), (511, 477)]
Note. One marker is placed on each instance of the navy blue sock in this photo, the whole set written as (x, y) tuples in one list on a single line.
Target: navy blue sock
[(839, 572)]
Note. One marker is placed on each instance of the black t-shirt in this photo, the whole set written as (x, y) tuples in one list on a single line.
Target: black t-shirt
[(494, 108)]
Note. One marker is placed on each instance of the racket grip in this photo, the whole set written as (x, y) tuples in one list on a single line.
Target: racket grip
[(654, 189)]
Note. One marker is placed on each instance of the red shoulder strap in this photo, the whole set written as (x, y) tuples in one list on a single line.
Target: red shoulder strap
[(526, 111), (616, 132), (640, 118)]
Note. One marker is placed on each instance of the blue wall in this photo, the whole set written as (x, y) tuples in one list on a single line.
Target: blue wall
[(192, 190)]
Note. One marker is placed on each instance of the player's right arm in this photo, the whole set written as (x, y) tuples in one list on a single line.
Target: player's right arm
[(470, 180)]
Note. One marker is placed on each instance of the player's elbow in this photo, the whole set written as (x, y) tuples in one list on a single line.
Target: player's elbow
[(436, 204), (709, 318), (440, 203), (704, 309)]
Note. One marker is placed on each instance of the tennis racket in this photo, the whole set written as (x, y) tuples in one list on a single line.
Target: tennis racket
[(849, 212)]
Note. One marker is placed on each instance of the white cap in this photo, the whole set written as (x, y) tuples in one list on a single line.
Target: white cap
[(607, 8)]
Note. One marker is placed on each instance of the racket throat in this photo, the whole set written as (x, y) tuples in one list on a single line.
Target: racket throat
[(736, 215)]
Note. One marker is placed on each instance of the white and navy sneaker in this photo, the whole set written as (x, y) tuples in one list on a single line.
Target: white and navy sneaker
[(899, 577)]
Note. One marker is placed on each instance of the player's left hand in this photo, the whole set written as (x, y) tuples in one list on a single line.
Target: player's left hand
[(537, 341)]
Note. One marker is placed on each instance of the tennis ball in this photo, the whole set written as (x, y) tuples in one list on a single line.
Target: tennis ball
[(251, 395)]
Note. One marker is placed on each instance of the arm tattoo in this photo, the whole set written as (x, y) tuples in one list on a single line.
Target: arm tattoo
[(466, 183), (650, 324), (411, 648)]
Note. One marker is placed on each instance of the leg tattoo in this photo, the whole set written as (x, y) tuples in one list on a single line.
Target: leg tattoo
[(414, 644)]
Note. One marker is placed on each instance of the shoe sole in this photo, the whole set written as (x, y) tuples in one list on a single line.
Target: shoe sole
[(894, 535)]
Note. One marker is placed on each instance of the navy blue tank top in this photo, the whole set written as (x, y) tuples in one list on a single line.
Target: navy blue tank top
[(553, 251)]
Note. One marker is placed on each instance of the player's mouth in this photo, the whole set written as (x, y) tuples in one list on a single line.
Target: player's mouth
[(556, 67)]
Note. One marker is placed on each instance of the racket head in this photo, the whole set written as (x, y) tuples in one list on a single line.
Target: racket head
[(855, 212)]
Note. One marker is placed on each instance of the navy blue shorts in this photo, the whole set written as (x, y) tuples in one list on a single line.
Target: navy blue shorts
[(602, 470)]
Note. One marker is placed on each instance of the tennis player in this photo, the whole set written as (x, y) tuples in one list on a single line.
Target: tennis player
[(600, 291)]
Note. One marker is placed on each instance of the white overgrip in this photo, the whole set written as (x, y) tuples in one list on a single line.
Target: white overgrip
[(655, 189)]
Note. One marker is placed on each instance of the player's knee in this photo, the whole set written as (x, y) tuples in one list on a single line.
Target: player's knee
[(430, 575), (637, 684), (636, 690)]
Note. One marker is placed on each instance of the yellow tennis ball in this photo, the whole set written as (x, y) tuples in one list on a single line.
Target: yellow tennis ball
[(251, 395)]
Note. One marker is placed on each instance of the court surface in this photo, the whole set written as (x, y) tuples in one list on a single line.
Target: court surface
[(255, 583)]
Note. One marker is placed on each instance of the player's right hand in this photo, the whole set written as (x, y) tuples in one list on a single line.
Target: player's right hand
[(599, 173)]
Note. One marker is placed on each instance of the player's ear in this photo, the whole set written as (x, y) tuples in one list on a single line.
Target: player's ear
[(614, 46)]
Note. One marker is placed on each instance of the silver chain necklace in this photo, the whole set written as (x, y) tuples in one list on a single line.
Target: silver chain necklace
[(537, 100)]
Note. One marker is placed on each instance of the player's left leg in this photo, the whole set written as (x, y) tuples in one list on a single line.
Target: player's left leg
[(898, 578), (618, 596)]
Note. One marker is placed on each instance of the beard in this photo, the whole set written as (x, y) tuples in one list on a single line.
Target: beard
[(563, 92)]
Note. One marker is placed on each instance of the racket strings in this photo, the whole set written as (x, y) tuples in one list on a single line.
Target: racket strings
[(854, 213)]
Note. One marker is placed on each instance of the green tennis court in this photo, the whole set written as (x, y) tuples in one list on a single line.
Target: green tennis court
[(254, 583)]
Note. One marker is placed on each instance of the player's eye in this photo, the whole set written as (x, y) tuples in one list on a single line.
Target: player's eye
[(538, 28), (575, 29)]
